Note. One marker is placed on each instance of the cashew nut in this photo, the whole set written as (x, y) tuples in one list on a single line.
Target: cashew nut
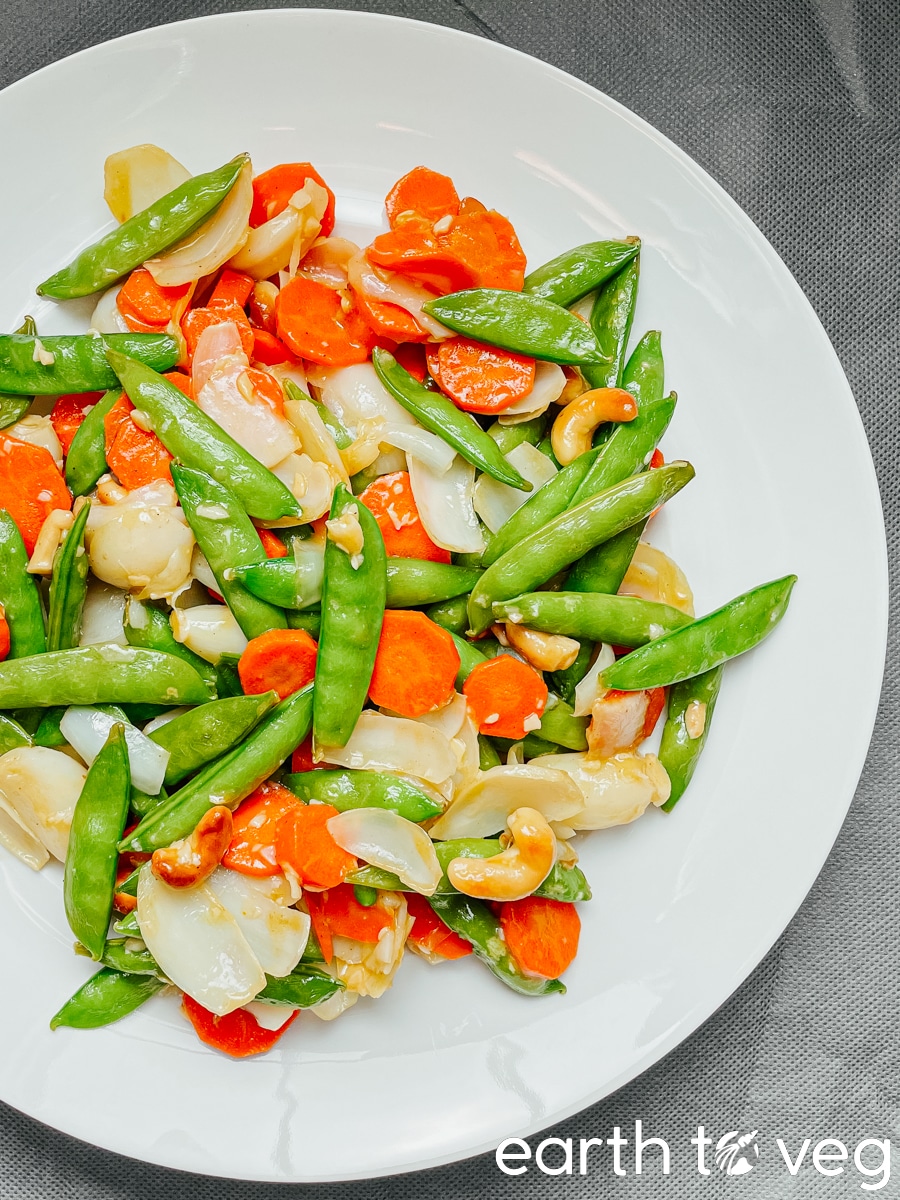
[(516, 871), (546, 651), (55, 525), (574, 428), (192, 860), (574, 387)]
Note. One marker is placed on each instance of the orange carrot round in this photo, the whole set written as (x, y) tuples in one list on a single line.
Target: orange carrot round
[(135, 456), (270, 350), (506, 697), (542, 934), (68, 413), (181, 381), (142, 297), (415, 666), (312, 322), (238, 1033), (481, 378), (391, 501), (273, 189), (423, 192), (254, 825), (198, 319), (388, 320), (280, 660), (411, 357), (232, 287), (31, 487), (272, 544), (302, 758), (346, 917), (303, 843), (430, 933), (267, 388)]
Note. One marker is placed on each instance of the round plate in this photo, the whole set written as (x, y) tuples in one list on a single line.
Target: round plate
[(449, 1062)]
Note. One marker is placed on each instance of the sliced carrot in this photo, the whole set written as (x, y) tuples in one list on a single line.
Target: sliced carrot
[(390, 499), (68, 413), (254, 825), (657, 459), (273, 189), (411, 357), (302, 758), (416, 664), (181, 381), (267, 388), (313, 323), (232, 287), (272, 544), (430, 933), (506, 697), (142, 297), (198, 319), (479, 249), (31, 487), (238, 1033), (433, 361), (270, 350), (279, 660), (423, 192), (346, 917), (303, 843), (135, 456), (5, 641), (389, 320), (542, 934), (481, 378)]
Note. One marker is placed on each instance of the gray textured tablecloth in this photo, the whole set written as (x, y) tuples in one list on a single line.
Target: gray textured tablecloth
[(793, 107)]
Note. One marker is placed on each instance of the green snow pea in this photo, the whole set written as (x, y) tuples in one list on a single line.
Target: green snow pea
[(127, 926), (518, 322), (469, 658), (79, 360), (611, 318), (488, 754), (342, 437), (12, 735), (14, 407), (451, 615), (68, 586), (706, 643), (547, 502), (119, 957), (603, 568), (310, 620), (630, 444), (48, 732), (559, 724), (197, 441), (678, 750), (91, 856), (413, 582), (459, 429), (148, 628), (106, 997), (293, 582), (19, 593), (227, 538), (353, 599), (475, 922), (205, 733), (508, 437), (304, 987), (229, 779), (565, 539), (145, 235), (86, 460), (99, 675), (596, 616), (142, 804), (364, 789), (366, 896), (566, 680), (572, 274), (313, 951), (228, 677)]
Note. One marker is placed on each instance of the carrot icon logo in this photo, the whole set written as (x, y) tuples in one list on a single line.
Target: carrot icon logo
[(737, 1155)]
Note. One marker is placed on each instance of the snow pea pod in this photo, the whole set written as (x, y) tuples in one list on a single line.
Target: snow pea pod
[(12, 735), (611, 317), (353, 599), (596, 616), (148, 628), (603, 568), (142, 804), (451, 615), (68, 586), (469, 658), (86, 460), (364, 789), (106, 997), (231, 778), (19, 594), (508, 437), (546, 503), (488, 754), (682, 744), (146, 234), (569, 536), (441, 416), (205, 733), (559, 724), (197, 441), (475, 922), (566, 680), (572, 274), (91, 855), (99, 675), (79, 360), (120, 957), (701, 645), (14, 407), (228, 539), (310, 620), (412, 582), (304, 987), (518, 322)]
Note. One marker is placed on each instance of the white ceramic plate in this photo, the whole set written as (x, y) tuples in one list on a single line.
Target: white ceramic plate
[(450, 1062)]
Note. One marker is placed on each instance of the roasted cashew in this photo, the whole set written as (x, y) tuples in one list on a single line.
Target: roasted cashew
[(516, 871), (546, 651), (192, 860), (574, 428)]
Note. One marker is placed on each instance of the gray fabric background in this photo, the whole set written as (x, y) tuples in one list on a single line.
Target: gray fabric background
[(792, 106)]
